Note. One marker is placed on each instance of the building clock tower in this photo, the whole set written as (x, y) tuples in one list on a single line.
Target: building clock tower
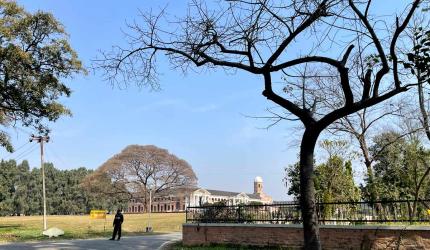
[(258, 185)]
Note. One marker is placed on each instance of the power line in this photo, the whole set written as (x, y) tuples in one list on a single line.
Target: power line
[(51, 152), (25, 153), (9, 156), (16, 150), (22, 130)]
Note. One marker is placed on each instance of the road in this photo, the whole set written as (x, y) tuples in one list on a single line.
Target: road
[(152, 242)]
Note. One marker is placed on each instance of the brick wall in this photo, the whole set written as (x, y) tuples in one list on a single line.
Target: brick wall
[(332, 237)]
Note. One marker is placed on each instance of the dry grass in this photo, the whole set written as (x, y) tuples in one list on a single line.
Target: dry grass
[(24, 228)]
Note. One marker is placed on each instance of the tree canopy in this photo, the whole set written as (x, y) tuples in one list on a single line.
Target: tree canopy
[(402, 168), (35, 57), (138, 170), (21, 191), (334, 179)]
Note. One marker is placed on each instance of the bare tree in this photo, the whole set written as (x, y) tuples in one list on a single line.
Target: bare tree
[(361, 127), (261, 37), (138, 170), (418, 62)]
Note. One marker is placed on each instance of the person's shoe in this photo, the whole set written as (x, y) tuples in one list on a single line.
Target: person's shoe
[(118, 239)]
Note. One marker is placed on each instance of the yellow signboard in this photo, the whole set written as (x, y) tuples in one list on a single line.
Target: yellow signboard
[(428, 211), (98, 214)]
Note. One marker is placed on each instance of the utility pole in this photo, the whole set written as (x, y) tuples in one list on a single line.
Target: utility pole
[(149, 227), (41, 139)]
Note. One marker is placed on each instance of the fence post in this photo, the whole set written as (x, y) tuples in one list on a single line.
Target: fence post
[(186, 215), (239, 214)]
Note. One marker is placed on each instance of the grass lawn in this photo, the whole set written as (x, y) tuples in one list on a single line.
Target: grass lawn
[(25, 228)]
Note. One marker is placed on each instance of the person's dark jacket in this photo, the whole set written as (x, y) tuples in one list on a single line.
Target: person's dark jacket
[(119, 218)]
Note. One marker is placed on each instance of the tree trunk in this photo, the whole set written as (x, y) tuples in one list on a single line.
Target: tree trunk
[(368, 162), (307, 190)]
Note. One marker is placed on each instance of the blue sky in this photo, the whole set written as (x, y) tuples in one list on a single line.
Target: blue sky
[(201, 118)]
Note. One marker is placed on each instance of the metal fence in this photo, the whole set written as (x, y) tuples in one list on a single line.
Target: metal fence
[(328, 213)]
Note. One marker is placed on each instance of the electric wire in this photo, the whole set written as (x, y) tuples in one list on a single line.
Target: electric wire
[(26, 153), (16, 150), (55, 155), (47, 157), (23, 157), (23, 130)]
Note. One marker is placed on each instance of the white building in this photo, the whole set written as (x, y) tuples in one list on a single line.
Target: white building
[(177, 200), (202, 196)]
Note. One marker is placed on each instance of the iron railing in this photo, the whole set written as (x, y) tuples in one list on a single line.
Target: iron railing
[(328, 213)]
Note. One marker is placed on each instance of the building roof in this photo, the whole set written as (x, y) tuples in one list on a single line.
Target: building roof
[(258, 179), (230, 194), (254, 196), (286, 202), (222, 193)]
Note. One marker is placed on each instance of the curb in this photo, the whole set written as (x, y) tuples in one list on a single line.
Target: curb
[(168, 244)]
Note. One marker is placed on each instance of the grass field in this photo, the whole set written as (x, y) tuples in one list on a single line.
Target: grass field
[(27, 228)]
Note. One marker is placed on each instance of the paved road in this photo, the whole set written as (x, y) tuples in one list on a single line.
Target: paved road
[(133, 242)]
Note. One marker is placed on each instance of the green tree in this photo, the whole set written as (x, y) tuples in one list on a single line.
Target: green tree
[(34, 194), (7, 186), (21, 178), (20, 191), (13, 185), (292, 180), (35, 56), (334, 180), (102, 193), (401, 170), (389, 170)]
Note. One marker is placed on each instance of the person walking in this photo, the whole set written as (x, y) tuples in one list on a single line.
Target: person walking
[(117, 222)]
